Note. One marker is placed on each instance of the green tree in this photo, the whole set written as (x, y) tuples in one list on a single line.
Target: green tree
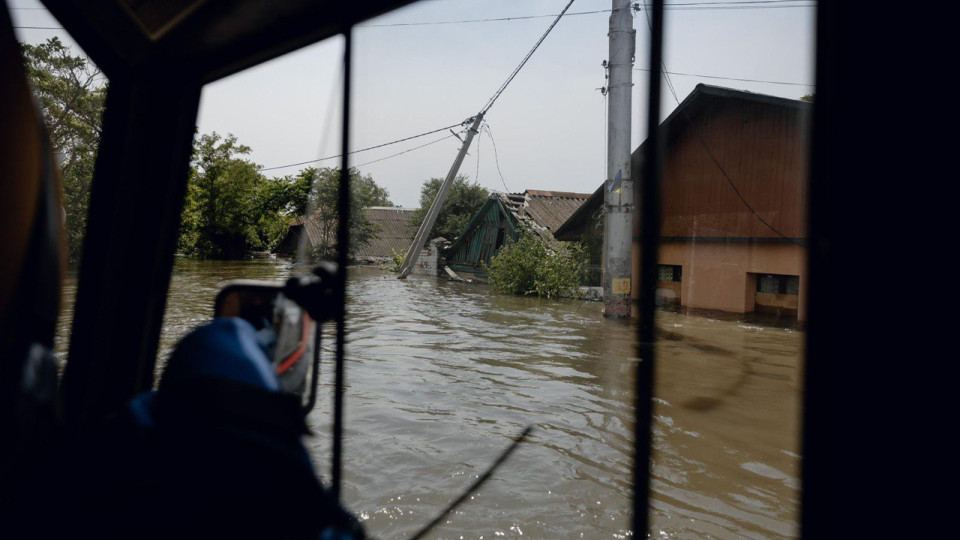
[(532, 265), (808, 97), (70, 91), (224, 214), (464, 198), (325, 196)]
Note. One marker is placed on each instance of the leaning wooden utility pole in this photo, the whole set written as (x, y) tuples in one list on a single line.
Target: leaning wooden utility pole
[(421, 238), (618, 188)]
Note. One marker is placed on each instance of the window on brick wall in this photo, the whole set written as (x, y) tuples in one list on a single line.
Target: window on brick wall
[(778, 284), (670, 272)]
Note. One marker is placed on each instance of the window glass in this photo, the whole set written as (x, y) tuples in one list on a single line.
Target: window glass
[(69, 90), (257, 154), (736, 119), (501, 323)]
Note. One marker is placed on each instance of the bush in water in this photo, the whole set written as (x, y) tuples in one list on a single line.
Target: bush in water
[(532, 265)]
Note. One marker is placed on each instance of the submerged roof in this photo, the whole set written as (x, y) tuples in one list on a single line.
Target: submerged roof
[(541, 211), (551, 208), (567, 229), (396, 232)]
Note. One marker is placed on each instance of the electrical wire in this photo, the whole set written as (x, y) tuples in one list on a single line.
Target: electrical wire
[(709, 152), (690, 6), (363, 149), (523, 62), (694, 6), (476, 177), (730, 78), (496, 156), (405, 151), (496, 19)]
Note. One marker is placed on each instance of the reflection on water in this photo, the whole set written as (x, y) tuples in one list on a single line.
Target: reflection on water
[(441, 375)]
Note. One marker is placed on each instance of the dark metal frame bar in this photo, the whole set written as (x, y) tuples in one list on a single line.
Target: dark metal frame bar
[(649, 238), (136, 199), (140, 179), (343, 249)]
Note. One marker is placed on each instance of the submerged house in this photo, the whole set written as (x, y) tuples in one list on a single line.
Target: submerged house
[(395, 234), (734, 198), (498, 221)]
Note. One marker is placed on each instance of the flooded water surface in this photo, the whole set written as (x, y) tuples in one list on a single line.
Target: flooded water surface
[(441, 376)]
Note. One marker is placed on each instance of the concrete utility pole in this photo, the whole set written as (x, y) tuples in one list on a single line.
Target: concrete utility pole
[(418, 241), (618, 189)]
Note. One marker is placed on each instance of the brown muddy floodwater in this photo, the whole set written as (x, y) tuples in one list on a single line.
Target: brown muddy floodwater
[(441, 375)]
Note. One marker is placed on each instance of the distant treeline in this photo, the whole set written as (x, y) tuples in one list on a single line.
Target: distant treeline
[(231, 208)]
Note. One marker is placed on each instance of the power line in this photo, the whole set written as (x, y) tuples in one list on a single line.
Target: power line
[(524, 61), (693, 6), (697, 6), (709, 152), (730, 78), (497, 19), (496, 156), (678, 6), (363, 149), (405, 151), (476, 177)]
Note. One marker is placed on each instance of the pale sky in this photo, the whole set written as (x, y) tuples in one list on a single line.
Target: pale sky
[(549, 123)]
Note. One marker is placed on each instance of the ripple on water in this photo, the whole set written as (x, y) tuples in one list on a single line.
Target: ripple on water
[(441, 375)]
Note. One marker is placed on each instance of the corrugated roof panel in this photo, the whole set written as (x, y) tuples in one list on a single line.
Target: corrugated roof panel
[(552, 208), (396, 232)]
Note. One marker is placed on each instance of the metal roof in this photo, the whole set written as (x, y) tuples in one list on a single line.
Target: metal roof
[(396, 232), (542, 211), (552, 208)]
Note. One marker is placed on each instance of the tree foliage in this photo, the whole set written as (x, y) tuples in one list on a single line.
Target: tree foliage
[(532, 265), (463, 199), (223, 214), (230, 208), (325, 214), (70, 92), (808, 97)]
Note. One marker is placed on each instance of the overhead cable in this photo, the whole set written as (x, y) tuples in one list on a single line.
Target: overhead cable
[(495, 19), (729, 78), (445, 137), (695, 6), (496, 156), (710, 153), (524, 61), (362, 149)]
